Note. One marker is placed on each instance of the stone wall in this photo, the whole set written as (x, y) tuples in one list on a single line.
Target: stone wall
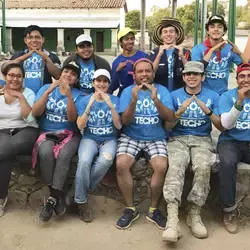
[(27, 188)]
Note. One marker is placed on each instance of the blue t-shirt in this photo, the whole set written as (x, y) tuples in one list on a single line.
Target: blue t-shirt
[(37, 73), (217, 73), (147, 124), (241, 130), (55, 114), (169, 54), (194, 121), (86, 76), (100, 126), (124, 78), (34, 72)]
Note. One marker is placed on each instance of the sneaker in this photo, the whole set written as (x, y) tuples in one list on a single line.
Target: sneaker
[(2, 205), (85, 212), (128, 217), (60, 208), (48, 209), (157, 218), (230, 221)]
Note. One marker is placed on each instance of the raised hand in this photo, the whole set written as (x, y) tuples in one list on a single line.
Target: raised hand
[(202, 105), (13, 93), (184, 106), (92, 100), (180, 49), (235, 49), (53, 85), (135, 91), (153, 90), (66, 89), (43, 55), (218, 46), (165, 47), (25, 56), (107, 99), (121, 65), (243, 93)]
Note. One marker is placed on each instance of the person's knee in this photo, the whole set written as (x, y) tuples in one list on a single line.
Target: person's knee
[(83, 164), (46, 149), (122, 166), (107, 158), (228, 160), (203, 173), (6, 154), (160, 166)]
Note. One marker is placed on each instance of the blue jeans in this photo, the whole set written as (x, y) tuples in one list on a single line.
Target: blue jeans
[(90, 173)]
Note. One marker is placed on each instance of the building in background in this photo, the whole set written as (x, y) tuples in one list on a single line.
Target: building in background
[(64, 20)]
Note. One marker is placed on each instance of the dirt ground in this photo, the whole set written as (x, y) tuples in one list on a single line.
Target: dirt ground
[(20, 229)]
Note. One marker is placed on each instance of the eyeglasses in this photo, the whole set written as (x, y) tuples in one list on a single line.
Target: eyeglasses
[(34, 38), (13, 76)]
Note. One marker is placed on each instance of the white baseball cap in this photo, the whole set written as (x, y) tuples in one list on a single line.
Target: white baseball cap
[(83, 38), (102, 72)]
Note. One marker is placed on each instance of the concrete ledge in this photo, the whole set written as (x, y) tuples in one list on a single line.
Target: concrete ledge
[(27, 188)]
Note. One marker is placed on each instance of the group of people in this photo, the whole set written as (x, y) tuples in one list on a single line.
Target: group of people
[(166, 106)]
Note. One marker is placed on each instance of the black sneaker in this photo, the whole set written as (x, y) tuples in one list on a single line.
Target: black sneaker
[(48, 209), (157, 218), (60, 208), (128, 217)]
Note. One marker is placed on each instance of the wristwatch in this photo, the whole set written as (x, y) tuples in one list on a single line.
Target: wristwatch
[(210, 113)]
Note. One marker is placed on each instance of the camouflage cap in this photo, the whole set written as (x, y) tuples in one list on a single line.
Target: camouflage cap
[(193, 66)]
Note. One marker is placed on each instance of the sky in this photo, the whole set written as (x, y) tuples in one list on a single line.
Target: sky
[(135, 4)]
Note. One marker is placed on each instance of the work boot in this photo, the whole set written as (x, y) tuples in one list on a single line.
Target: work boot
[(172, 232), (85, 212), (194, 222), (230, 221)]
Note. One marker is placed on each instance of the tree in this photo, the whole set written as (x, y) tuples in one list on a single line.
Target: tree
[(243, 15), (155, 18), (132, 19)]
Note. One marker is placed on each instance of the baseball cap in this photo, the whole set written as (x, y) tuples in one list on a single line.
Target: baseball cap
[(216, 19), (83, 38), (102, 72), (73, 66), (123, 32), (196, 67), (242, 67)]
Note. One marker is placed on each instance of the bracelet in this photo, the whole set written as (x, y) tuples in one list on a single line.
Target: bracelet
[(210, 113), (238, 107), (86, 112)]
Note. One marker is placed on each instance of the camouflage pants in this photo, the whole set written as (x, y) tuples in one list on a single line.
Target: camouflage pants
[(185, 151)]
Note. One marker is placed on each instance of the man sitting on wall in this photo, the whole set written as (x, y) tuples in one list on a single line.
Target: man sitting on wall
[(196, 109), (234, 143), (144, 107)]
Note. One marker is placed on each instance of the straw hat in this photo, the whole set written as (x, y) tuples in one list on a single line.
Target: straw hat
[(166, 22)]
